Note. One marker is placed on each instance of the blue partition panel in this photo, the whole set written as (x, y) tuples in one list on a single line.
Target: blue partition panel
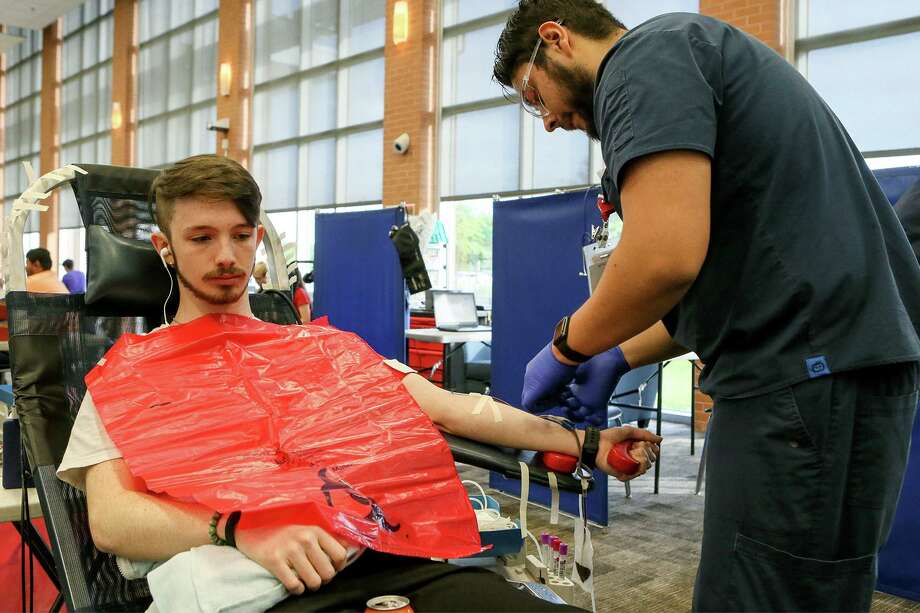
[(358, 282), (899, 559), (537, 279), (896, 181)]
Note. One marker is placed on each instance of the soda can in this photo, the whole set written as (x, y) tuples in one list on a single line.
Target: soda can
[(390, 604)]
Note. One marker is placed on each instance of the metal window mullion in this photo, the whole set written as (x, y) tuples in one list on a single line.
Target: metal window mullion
[(519, 193), (880, 153), (84, 139), (317, 136), (479, 105), (83, 27), (888, 29), (84, 71), (189, 25), (334, 65), (479, 23), (184, 109)]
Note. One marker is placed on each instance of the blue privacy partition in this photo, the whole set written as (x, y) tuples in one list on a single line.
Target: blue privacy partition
[(358, 282), (899, 559), (537, 278), (895, 181)]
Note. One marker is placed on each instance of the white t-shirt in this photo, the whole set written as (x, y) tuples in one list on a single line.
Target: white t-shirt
[(89, 445), (89, 442)]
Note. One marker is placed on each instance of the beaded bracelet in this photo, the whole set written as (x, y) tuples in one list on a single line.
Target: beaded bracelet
[(212, 529)]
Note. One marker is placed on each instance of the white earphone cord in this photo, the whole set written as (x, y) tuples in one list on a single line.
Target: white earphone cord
[(163, 252)]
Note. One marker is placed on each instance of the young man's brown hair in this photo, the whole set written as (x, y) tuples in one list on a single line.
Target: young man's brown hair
[(210, 177)]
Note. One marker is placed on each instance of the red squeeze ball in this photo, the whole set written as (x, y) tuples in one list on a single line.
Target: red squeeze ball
[(618, 458), (559, 462)]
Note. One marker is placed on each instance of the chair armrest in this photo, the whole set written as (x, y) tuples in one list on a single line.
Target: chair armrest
[(494, 458)]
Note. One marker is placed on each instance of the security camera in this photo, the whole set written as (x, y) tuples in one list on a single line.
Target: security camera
[(401, 144), (221, 125)]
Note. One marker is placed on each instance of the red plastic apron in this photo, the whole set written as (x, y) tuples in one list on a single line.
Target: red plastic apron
[(239, 414)]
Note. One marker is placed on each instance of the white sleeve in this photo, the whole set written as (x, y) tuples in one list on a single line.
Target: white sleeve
[(89, 445)]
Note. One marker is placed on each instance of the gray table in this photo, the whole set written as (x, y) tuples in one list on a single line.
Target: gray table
[(447, 339)]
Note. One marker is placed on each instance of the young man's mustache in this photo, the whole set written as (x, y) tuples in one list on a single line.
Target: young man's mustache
[(225, 272)]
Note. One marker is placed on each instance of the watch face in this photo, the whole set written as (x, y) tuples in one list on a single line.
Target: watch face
[(561, 330)]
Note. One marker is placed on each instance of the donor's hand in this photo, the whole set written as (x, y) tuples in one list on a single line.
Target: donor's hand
[(301, 557), (644, 450)]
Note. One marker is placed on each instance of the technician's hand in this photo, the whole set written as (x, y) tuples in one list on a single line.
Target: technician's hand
[(544, 377), (645, 450), (587, 396), (301, 557)]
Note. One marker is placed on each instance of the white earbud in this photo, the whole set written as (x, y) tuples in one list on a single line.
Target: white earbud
[(163, 253)]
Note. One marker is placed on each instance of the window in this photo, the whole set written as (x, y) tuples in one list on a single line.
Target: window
[(86, 98), (318, 102), (468, 225), (177, 80), (21, 121), (854, 55), (490, 146)]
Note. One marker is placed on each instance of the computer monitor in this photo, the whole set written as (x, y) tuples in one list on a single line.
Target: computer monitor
[(454, 310)]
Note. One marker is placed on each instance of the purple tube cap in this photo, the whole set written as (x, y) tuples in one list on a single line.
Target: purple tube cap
[(563, 549), (544, 538)]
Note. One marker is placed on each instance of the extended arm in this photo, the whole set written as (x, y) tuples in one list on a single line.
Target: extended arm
[(507, 426)]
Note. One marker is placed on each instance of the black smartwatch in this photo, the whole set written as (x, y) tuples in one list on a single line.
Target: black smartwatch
[(561, 341), (590, 446)]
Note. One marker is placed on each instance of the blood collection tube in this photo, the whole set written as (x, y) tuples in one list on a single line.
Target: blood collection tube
[(563, 557)]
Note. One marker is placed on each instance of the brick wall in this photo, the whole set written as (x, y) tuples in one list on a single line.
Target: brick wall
[(761, 18), (411, 105), (234, 47)]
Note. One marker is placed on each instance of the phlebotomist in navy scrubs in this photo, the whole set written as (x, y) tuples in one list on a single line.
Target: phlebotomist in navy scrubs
[(754, 235)]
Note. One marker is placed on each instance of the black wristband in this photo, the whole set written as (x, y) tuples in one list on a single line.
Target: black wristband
[(590, 447), (230, 528), (561, 342)]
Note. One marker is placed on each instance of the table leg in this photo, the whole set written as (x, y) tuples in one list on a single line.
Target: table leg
[(692, 409), (658, 418)]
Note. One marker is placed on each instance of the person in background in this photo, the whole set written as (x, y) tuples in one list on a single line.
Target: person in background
[(74, 280), (41, 278), (302, 300), (260, 274), (908, 211)]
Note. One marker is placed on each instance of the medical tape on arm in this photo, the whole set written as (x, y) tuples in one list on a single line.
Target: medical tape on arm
[(554, 500), (399, 367), (525, 497), (485, 401)]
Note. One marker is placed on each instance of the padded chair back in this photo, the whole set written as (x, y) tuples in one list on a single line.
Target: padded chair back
[(56, 339)]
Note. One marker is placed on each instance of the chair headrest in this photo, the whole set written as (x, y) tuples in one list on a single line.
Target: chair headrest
[(126, 277)]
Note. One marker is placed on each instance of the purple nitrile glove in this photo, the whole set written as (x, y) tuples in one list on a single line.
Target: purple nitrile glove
[(587, 396), (544, 377)]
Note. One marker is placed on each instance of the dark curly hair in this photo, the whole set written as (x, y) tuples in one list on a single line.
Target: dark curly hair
[(587, 18)]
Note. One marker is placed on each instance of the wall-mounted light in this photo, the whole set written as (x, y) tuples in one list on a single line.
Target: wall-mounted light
[(400, 22), (225, 76), (116, 115)]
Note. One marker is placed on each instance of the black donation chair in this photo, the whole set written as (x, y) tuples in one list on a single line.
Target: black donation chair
[(55, 340)]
